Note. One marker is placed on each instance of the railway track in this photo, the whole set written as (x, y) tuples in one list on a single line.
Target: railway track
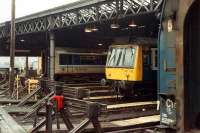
[(118, 114), (113, 118), (136, 109)]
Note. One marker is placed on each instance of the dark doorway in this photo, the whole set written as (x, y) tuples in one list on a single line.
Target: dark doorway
[(192, 67)]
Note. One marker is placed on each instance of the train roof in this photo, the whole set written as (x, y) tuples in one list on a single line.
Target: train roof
[(78, 51), (141, 41), (123, 45)]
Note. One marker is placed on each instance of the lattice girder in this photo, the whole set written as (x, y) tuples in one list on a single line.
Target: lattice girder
[(99, 11)]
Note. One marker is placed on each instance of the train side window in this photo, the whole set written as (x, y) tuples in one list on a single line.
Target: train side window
[(65, 59), (154, 59), (146, 59), (104, 57), (88, 60), (101, 60), (76, 59)]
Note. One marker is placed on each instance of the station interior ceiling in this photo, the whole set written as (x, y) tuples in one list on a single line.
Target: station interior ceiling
[(147, 26)]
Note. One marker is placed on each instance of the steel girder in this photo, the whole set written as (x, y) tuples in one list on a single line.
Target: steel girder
[(100, 10)]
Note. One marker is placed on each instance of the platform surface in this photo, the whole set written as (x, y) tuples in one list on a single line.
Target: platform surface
[(137, 121), (133, 104), (102, 97)]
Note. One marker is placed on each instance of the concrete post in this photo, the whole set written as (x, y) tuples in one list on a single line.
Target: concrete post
[(52, 55)]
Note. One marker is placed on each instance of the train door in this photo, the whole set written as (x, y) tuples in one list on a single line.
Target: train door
[(192, 67)]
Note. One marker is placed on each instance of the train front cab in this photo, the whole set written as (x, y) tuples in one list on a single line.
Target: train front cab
[(127, 67), (179, 76), (131, 69)]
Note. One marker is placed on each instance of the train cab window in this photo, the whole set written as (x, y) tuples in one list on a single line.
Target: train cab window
[(121, 57), (111, 57), (129, 57), (118, 56), (121, 60), (65, 59)]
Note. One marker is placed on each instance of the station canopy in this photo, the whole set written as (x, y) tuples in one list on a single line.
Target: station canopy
[(70, 22)]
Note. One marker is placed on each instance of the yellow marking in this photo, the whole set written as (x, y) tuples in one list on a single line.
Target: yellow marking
[(130, 104), (32, 84), (101, 97), (137, 121)]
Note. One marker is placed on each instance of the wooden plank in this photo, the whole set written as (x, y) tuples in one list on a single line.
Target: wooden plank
[(133, 104), (102, 97), (137, 121), (8, 124)]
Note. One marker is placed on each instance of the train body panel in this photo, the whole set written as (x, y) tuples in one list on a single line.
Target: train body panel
[(71, 62), (179, 82)]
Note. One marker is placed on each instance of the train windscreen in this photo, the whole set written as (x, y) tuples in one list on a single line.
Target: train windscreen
[(121, 57)]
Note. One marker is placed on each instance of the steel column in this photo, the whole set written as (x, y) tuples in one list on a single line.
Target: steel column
[(52, 54), (12, 49)]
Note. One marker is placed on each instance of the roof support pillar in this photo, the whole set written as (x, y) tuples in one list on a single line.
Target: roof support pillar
[(12, 49), (52, 55)]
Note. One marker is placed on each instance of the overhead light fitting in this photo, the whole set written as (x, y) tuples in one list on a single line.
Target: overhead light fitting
[(132, 24), (22, 40), (114, 26), (100, 44), (94, 28), (88, 30)]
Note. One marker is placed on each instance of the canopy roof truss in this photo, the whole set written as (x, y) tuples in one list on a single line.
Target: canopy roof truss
[(81, 13)]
